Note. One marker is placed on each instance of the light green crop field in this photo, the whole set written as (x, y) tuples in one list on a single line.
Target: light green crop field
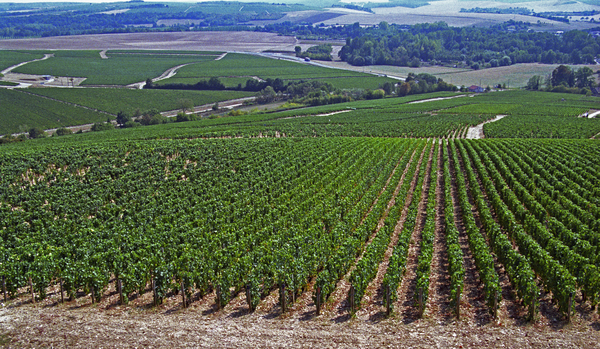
[(234, 65), (114, 100), (10, 58), (240, 68), (20, 111), (118, 69)]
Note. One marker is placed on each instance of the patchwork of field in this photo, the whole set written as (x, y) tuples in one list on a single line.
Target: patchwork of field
[(236, 69), (196, 41), (20, 111), (449, 11), (516, 75), (106, 68)]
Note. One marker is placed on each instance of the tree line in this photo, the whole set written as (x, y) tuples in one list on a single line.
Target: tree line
[(565, 79), (474, 47)]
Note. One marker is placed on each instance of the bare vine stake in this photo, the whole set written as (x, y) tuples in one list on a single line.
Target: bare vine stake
[(458, 303), (351, 300), (120, 290), (532, 310), (421, 306), (183, 294), (570, 309), (218, 290), (154, 291), (62, 291), (282, 297), (388, 309), (31, 289), (318, 301), (496, 305), (249, 297), (4, 287)]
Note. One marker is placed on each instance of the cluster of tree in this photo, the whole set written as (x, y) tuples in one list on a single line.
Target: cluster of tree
[(139, 118), (33, 133), (9, 138), (353, 7), (564, 79), (475, 47), (510, 10), (423, 83), (210, 84), (320, 52)]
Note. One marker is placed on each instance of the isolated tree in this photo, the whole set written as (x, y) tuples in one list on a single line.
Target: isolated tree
[(185, 105), (298, 51), (404, 89), (563, 75), (36, 133), (122, 118), (181, 117), (63, 131), (535, 83), (267, 95), (584, 77), (388, 87)]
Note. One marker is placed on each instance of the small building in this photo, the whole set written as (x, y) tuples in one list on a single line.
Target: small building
[(476, 89)]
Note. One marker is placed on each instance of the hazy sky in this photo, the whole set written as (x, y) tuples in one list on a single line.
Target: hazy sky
[(99, 1)]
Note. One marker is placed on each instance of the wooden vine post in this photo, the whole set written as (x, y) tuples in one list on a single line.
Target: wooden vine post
[(62, 291), (93, 295), (282, 297), (570, 308), (457, 310), (4, 287), (421, 305), (351, 299), (388, 294), (31, 290), (318, 301), (155, 296), (120, 291), (496, 305), (183, 294), (249, 297), (218, 291)]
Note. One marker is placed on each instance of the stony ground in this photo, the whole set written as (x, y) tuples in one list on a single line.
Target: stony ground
[(80, 323)]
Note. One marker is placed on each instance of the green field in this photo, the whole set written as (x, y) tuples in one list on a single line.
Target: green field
[(118, 69), (20, 111), (246, 66), (114, 100), (10, 58)]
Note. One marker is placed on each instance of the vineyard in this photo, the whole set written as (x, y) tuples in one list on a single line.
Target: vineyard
[(339, 220), (375, 212)]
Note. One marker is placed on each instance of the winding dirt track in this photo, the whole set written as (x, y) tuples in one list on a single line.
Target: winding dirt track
[(476, 132)]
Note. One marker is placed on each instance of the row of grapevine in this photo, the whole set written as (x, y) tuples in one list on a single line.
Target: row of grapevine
[(397, 263), (456, 270), (516, 266), (533, 219), (367, 266), (428, 234), (484, 260), (341, 258), (554, 275)]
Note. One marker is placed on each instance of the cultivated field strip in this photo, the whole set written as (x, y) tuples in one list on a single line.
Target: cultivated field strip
[(332, 228)]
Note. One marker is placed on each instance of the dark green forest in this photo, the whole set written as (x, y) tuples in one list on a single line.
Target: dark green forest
[(478, 47)]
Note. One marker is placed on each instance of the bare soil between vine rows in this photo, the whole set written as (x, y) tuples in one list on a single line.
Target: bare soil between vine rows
[(95, 326)]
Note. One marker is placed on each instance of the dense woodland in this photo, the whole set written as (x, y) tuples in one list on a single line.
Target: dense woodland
[(477, 47)]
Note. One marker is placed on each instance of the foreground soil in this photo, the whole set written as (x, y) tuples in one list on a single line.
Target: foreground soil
[(79, 324)]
